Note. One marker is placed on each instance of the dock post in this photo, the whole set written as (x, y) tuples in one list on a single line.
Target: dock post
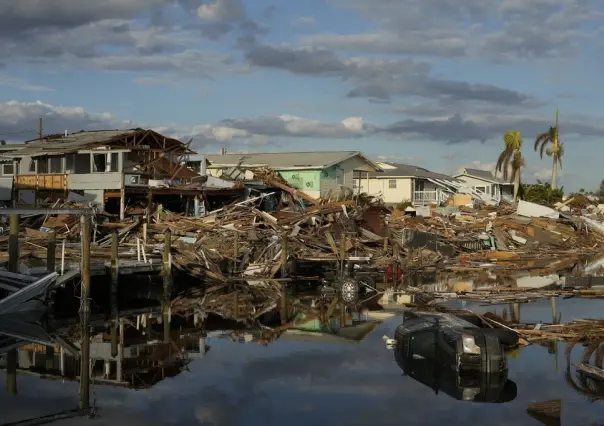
[(167, 270), (51, 252), (13, 244), (84, 315), (554, 315), (13, 266), (122, 203), (284, 256), (113, 292)]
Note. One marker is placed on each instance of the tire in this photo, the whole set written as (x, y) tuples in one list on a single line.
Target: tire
[(349, 291)]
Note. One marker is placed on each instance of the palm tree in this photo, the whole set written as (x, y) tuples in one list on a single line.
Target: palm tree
[(510, 160), (556, 150)]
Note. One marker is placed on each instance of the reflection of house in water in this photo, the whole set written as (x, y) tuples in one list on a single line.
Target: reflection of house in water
[(139, 362), (310, 327)]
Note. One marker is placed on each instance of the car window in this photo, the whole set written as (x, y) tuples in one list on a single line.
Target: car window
[(422, 345)]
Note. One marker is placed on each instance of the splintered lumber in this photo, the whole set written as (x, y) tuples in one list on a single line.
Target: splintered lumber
[(591, 371), (547, 412)]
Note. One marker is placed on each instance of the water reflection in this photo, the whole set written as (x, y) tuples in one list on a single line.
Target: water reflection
[(476, 387), (217, 371)]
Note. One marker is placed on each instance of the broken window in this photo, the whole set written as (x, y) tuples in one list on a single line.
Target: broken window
[(32, 166), (56, 164), (99, 162), (82, 163), (112, 165), (8, 169), (106, 162)]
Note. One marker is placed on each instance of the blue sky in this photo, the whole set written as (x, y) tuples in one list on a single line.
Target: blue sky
[(429, 82)]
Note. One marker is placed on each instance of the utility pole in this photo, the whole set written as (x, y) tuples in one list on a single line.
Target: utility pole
[(40, 128), (85, 315)]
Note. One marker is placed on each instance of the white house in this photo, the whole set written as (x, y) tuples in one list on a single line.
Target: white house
[(403, 182), (484, 182)]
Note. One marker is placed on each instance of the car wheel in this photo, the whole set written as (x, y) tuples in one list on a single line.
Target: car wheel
[(349, 291)]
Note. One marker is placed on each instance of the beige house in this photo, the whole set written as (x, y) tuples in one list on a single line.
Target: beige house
[(487, 184), (404, 182), (317, 173)]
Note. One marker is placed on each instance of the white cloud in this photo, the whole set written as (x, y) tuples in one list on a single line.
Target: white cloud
[(222, 10)]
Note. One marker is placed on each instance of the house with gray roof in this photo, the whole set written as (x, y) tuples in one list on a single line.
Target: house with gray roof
[(317, 173), (486, 183), (404, 182), (111, 167)]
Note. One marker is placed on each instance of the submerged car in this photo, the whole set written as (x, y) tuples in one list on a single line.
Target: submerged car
[(453, 343), (476, 387)]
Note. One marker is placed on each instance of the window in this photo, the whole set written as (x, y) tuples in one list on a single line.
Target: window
[(32, 166), (105, 162), (56, 164), (112, 162), (481, 189), (8, 169), (42, 165), (392, 184), (419, 185), (99, 162)]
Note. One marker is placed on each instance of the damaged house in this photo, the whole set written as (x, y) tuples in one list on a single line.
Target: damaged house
[(111, 167), (318, 173), (403, 182)]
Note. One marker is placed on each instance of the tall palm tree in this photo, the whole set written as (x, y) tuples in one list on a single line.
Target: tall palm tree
[(510, 160), (549, 142)]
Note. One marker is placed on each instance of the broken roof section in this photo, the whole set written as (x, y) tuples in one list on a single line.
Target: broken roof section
[(407, 170), (484, 175), (132, 139), (289, 160)]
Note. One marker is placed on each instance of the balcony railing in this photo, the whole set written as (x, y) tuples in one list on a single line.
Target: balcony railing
[(425, 196)]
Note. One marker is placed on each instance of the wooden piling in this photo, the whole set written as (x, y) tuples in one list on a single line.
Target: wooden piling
[(13, 244), (284, 256), (84, 315), (13, 266), (167, 272), (51, 252), (342, 252), (114, 272), (11, 372)]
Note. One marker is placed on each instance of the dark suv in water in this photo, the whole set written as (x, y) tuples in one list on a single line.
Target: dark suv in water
[(452, 342)]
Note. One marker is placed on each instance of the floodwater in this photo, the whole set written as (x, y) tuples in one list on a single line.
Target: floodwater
[(312, 382)]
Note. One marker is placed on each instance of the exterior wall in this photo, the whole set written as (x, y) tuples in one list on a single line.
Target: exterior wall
[(380, 187), (110, 180), (334, 177), (6, 188), (477, 182), (507, 190), (308, 181)]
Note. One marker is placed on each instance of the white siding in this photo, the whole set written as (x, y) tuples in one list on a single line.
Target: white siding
[(112, 180), (380, 187)]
